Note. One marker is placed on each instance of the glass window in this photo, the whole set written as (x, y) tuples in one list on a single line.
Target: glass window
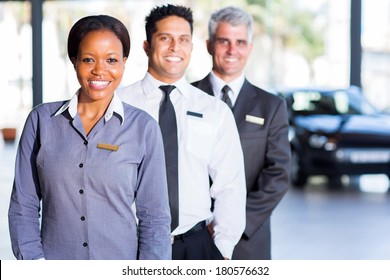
[(376, 52), (296, 43), (300, 43), (15, 73)]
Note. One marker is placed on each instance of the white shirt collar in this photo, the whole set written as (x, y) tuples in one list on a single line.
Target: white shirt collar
[(218, 84), (115, 106), (151, 86)]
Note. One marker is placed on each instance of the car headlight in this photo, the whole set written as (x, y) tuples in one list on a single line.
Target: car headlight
[(322, 141)]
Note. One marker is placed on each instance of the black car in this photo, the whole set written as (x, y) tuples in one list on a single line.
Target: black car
[(336, 132)]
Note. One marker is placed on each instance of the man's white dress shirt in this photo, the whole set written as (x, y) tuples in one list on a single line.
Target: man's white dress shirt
[(235, 86), (209, 145)]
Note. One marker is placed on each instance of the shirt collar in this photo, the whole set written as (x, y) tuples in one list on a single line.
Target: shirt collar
[(150, 86), (115, 106), (218, 84)]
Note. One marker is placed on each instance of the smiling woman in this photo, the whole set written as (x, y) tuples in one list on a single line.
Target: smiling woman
[(86, 159), (99, 65)]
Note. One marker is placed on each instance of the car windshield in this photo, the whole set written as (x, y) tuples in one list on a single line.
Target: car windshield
[(340, 102)]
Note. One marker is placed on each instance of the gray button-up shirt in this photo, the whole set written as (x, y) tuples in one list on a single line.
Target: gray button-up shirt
[(87, 185)]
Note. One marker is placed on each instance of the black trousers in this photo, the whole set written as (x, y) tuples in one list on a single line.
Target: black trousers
[(199, 246)]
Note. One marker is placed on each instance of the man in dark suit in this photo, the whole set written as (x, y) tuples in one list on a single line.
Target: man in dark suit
[(261, 118)]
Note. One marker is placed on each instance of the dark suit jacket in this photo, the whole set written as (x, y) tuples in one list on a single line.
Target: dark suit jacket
[(267, 159)]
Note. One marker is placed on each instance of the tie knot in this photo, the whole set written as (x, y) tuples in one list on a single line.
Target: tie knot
[(225, 89), (167, 89)]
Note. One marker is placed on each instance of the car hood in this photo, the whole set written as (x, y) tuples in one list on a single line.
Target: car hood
[(354, 124)]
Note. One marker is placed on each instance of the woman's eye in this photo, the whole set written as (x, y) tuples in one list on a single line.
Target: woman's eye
[(87, 59), (112, 60)]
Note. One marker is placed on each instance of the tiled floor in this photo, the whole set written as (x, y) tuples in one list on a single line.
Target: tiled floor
[(310, 224), (318, 224)]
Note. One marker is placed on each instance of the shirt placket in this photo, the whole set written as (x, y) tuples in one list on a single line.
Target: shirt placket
[(90, 147), (83, 190)]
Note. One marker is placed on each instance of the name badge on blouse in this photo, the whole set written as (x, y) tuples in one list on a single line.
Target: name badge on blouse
[(108, 147), (253, 119)]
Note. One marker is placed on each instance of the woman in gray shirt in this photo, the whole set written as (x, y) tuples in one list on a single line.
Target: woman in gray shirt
[(87, 160)]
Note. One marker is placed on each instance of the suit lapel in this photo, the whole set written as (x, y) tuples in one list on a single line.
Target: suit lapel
[(205, 85), (245, 102)]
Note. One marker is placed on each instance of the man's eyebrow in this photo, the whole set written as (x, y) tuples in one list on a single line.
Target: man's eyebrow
[(172, 35), (164, 33)]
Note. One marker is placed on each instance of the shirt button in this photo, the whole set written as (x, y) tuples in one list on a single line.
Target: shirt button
[(85, 142), (81, 165), (82, 218), (81, 191), (85, 244)]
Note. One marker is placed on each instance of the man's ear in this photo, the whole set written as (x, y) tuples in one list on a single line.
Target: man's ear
[(250, 47), (209, 47), (146, 47)]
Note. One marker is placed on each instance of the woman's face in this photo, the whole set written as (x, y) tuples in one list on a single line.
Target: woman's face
[(99, 65)]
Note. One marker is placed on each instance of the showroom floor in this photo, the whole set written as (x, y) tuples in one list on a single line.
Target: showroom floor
[(321, 224)]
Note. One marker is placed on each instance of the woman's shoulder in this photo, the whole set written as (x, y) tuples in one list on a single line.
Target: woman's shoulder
[(48, 108)]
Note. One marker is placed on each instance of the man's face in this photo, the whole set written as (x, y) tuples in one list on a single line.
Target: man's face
[(230, 50), (170, 49)]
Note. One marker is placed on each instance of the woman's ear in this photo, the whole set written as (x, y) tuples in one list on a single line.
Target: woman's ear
[(73, 59)]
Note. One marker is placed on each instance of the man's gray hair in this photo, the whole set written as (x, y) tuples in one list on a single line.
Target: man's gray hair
[(232, 15)]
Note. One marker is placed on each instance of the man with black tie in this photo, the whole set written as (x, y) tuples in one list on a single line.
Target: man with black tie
[(262, 123), (200, 141)]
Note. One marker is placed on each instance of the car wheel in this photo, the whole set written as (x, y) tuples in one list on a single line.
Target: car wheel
[(298, 176)]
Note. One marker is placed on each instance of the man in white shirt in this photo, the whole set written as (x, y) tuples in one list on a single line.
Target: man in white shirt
[(208, 141)]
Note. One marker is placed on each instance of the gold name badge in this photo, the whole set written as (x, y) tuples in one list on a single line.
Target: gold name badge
[(108, 147)]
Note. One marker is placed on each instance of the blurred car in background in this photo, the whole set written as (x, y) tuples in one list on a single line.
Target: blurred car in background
[(335, 132)]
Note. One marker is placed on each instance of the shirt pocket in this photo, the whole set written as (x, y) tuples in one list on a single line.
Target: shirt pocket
[(199, 138)]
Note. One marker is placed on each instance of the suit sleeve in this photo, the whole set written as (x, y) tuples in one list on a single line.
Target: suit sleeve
[(273, 179)]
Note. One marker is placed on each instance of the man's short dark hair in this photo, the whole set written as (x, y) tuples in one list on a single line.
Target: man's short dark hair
[(161, 12)]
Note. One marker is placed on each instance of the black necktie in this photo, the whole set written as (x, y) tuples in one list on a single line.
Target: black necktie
[(225, 96), (167, 121)]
